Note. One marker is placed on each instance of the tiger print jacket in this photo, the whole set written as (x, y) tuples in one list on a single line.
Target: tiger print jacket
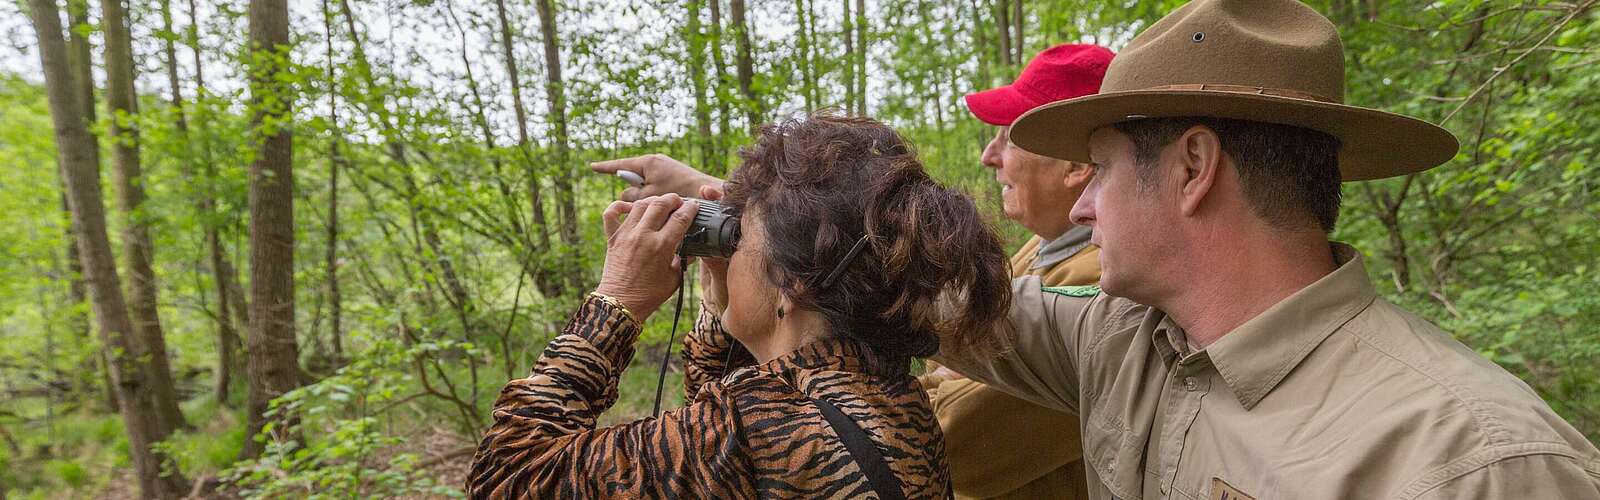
[(753, 433)]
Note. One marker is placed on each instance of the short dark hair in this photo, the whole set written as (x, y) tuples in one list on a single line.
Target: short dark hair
[(1290, 174), (822, 183)]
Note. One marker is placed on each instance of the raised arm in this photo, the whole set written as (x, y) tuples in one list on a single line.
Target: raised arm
[(1050, 327), (544, 444)]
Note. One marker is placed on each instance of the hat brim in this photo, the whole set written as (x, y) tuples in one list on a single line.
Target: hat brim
[(999, 106), (1374, 144)]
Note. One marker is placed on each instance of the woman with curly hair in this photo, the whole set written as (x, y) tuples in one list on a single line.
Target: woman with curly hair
[(852, 261)]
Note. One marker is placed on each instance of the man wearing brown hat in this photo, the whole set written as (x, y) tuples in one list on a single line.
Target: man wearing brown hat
[(1235, 351), (999, 446)]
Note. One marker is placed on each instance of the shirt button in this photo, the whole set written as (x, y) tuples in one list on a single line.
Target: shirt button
[(1190, 384)]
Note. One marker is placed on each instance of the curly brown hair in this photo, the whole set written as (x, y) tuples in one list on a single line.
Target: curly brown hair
[(933, 268)]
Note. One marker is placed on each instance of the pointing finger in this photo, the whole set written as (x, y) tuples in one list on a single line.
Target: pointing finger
[(612, 166)]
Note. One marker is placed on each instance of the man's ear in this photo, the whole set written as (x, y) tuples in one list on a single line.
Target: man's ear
[(1201, 158), (1078, 175)]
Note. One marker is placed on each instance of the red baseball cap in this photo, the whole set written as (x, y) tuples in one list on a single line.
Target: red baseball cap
[(1061, 72)]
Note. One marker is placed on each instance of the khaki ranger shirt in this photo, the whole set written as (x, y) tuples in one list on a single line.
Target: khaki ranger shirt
[(1001, 447), (1332, 393)]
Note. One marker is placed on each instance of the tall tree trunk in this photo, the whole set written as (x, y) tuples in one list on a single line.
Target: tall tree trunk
[(73, 144), (227, 335), (335, 160), (122, 105), (480, 118), (720, 69), (80, 61), (273, 353), (1017, 22), (862, 44), (203, 203), (741, 35), (232, 313), (818, 69), (980, 43), (77, 319), (554, 95), (807, 67), (79, 64), (848, 32), (525, 148), (696, 46), (397, 151), (1002, 24)]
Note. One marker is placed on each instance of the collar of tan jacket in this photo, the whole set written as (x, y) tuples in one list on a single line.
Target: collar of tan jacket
[(1257, 355), (1064, 246)]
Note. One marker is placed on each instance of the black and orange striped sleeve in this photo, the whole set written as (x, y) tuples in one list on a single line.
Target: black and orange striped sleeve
[(544, 443), (709, 352)]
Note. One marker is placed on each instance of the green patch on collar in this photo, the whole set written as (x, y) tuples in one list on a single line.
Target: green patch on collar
[(1074, 291)]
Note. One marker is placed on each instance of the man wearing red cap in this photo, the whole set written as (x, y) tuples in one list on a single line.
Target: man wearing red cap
[(1000, 446)]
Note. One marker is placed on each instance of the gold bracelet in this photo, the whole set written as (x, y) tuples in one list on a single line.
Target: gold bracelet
[(613, 302)]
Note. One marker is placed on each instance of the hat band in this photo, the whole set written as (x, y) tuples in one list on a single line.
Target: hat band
[(1246, 89)]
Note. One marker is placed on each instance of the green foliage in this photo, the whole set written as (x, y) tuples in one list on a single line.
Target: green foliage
[(337, 443), (69, 473), (449, 285), (215, 441), (79, 454), (1498, 245)]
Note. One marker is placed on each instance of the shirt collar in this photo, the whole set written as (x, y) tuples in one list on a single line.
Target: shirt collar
[(1257, 355), (1066, 245)]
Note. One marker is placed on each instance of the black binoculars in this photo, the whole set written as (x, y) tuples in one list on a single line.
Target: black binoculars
[(714, 233)]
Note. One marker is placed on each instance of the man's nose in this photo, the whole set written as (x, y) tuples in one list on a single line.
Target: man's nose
[(1082, 213), (991, 155)]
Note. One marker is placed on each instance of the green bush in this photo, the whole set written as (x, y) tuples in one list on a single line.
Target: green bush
[(68, 472), (335, 445)]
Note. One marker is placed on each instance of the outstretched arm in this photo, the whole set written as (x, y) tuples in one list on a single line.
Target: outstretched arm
[(661, 173), (1050, 328)]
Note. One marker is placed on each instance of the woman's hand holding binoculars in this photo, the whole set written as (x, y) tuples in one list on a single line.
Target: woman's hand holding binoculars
[(641, 251), (713, 271)]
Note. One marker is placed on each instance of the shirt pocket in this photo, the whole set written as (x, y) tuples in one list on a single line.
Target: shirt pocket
[(1114, 451)]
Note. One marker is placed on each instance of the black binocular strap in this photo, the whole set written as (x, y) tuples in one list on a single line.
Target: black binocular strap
[(862, 450)]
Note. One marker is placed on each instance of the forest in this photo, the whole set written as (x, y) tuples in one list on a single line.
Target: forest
[(325, 233)]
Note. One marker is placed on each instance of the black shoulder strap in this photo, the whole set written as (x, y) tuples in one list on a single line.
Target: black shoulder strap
[(862, 450)]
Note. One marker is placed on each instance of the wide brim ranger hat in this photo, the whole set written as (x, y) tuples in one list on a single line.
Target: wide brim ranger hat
[(1274, 61)]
